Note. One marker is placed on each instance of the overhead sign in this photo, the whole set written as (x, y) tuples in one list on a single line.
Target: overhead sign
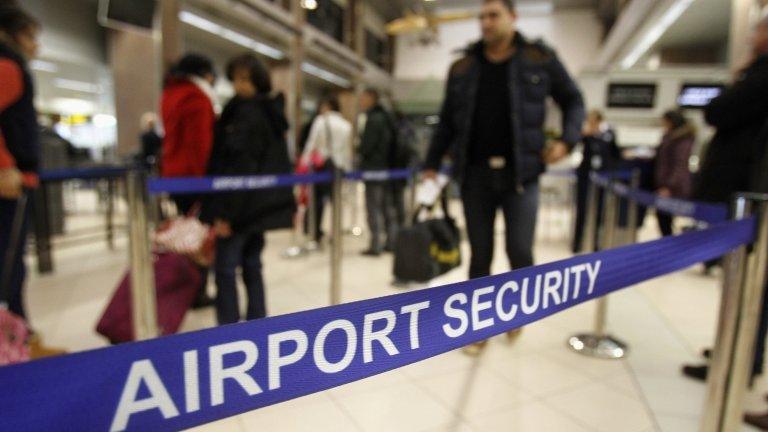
[(631, 95)]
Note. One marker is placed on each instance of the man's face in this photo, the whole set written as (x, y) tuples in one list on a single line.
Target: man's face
[(760, 40), (28, 42), (366, 101), (496, 22)]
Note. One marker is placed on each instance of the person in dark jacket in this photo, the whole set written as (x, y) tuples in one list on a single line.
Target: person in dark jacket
[(187, 108), (672, 177), (492, 126), (19, 139), (20, 156), (732, 159), (600, 153), (151, 141), (375, 154), (734, 162), (250, 140)]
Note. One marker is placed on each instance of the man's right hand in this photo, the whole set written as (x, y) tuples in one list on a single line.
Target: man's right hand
[(11, 183), (429, 174)]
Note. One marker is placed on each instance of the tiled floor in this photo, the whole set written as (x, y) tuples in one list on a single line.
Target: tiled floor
[(534, 384)]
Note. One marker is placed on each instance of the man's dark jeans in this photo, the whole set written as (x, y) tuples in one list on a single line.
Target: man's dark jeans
[(486, 190), (241, 250), (18, 275), (381, 214)]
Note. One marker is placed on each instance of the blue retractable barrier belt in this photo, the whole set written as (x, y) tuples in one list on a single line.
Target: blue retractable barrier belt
[(94, 173), (703, 212), (185, 380), (206, 185)]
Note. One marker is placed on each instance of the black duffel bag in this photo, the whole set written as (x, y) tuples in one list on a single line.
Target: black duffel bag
[(428, 248)]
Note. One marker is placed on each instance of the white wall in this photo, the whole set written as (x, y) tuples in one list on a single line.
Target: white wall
[(574, 33)]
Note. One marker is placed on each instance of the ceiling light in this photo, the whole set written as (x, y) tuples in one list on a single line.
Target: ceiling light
[(43, 66), (309, 4), (78, 86), (230, 35), (658, 30), (325, 75)]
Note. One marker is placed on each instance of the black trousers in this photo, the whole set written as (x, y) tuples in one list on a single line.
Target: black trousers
[(484, 192), (666, 222)]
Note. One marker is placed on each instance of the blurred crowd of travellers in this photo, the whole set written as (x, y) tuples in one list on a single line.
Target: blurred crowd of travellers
[(490, 131)]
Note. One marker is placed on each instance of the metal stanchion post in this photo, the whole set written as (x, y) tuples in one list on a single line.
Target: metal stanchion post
[(742, 298), (311, 244), (632, 209), (110, 214), (337, 238), (42, 230), (590, 228), (599, 343), (143, 293), (413, 182)]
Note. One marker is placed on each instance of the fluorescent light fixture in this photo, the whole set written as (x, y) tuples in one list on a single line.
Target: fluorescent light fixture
[(309, 4), (78, 86), (658, 30), (104, 120), (230, 35), (325, 75), (43, 66)]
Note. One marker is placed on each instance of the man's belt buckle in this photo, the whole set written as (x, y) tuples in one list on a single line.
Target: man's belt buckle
[(497, 162)]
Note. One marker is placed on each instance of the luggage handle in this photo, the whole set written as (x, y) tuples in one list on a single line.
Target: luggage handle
[(431, 208), (13, 246)]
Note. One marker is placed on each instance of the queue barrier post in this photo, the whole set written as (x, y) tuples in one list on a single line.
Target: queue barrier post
[(632, 209), (588, 238), (599, 343), (310, 243), (337, 237), (143, 293), (744, 283)]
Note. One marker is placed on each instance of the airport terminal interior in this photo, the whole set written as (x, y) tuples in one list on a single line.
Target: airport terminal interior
[(634, 76)]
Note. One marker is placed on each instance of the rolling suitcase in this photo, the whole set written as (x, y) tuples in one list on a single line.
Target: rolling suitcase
[(427, 249), (13, 329), (177, 280)]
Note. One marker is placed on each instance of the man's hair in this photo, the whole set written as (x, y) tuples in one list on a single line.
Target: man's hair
[(597, 114), (258, 72), (332, 101), (13, 20), (509, 4)]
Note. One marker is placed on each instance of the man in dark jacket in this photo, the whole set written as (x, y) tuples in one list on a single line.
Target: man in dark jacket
[(735, 162), (600, 153), (375, 154), (492, 125)]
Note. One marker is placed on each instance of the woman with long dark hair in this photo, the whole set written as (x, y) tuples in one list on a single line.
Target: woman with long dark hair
[(250, 140)]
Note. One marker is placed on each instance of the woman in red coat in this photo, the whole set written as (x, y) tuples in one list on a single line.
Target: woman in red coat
[(188, 113), (187, 110), (672, 176)]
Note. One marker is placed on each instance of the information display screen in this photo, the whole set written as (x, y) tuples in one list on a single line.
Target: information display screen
[(136, 14), (698, 95), (631, 95)]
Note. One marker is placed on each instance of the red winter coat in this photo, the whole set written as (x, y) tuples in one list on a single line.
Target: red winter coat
[(188, 120)]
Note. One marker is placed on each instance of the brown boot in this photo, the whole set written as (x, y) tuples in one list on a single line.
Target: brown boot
[(513, 335), (37, 350), (475, 349), (759, 421)]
